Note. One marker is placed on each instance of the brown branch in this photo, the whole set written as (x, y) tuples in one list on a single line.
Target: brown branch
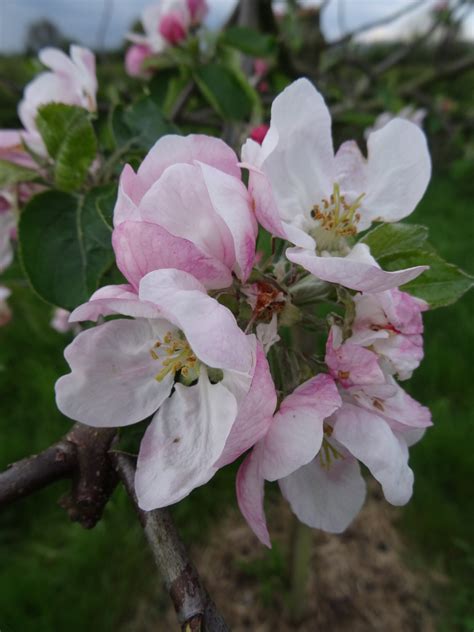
[(82, 456), (194, 607)]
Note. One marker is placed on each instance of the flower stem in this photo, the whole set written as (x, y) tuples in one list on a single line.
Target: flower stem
[(300, 554)]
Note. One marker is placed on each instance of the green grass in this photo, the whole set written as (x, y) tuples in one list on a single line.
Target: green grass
[(439, 519)]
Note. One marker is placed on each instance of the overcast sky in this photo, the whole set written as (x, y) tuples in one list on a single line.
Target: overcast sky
[(80, 20)]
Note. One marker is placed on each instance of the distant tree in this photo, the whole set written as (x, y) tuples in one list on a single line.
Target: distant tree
[(43, 33)]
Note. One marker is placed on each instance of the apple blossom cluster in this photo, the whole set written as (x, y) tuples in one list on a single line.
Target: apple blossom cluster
[(197, 329), (70, 80), (165, 24)]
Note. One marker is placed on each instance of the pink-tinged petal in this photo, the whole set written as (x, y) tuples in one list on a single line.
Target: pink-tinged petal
[(351, 364), (9, 138), (56, 60), (399, 407), (255, 412), (112, 380), (326, 498), (114, 299), (141, 247), (210, 328), (184, 439), (231, 201), (130, 192), (300, 165), (296, 433), (404, 353), (173, 149), (351, 170), (398, 172), (369, 438), (180, 203), (85, 60), (250, 494), (351, 273), (410, 436)]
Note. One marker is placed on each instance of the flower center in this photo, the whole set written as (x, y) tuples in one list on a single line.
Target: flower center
[(336, 216), (328, 452), (174, 354)]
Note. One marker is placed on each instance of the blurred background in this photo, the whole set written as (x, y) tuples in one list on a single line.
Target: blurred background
[(410, 568)]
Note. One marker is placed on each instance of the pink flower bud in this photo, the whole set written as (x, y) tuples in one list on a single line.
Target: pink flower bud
[(198, 10), (173, 28), (261, 67), (258, 133), (134, 58)]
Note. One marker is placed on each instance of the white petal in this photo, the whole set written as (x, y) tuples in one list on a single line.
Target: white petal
[(112, 380), (398, 171), (183, 441), (327, 499), (301, 165), (369, 438), (350, 272)]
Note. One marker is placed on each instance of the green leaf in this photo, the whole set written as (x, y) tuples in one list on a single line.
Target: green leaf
[(140, 124), (388, 239), (65, 245), (70, 140), (398, 246), (441, 285), (11, 174), (223, 90), (249, 41)]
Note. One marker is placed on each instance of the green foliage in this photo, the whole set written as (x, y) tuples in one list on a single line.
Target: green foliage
[(140, 124), (65, 243), (398, 246), (11, 174), (394, 239), (224, 90), (249, 41), (70, 140)]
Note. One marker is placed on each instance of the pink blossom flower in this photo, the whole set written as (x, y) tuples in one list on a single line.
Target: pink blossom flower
[(307, 195), (168, 23), (390, 323), (123, 371), (5, 311), (134, 58), (71, 80), (321, 431), (378, 419), (185, 208)]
